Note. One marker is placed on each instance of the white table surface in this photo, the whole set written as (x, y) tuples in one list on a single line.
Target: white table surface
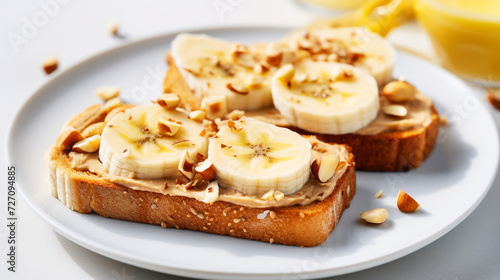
[(74, 30)]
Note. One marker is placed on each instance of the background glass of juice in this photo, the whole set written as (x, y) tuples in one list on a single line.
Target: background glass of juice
[(465, 35), (344, 5)]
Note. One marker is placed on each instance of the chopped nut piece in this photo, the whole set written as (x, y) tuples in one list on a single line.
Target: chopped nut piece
[(107, 93), (113, 102), (215, 106), (206, 169), (88, 145), (279, 195), (212, 193), (163, 224), (375, 216), (254, 81), (260, 69), (182, 142), (168, 127), (93, 129), (168, 100), (268, 195), (302, 215), (237, 88), (243, 57), (493, 96), (115, 111), (235, 115), (50, 65), (325, 166), (113, 28), (197, 115), (395, 110), (186, 166), (378, 194), (271, 240), (406, 203), (272, 214), (285, 74), (399, 91), (69, 137)]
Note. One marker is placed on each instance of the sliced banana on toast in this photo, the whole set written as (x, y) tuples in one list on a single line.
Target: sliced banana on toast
[(254, 157), (356, 46), (325, 97), (212, 66), (147, 142)]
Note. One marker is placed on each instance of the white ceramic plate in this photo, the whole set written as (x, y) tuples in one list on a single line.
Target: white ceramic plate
[(449, 185)]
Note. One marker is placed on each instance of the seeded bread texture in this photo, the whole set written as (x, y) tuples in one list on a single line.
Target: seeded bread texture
[(85, 192), (393, 151)]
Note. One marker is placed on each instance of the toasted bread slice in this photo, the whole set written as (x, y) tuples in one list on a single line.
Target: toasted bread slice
[(300, 225), (390, 151)]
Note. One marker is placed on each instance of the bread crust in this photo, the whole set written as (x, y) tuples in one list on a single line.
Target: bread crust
[(390, 152), (307, 226)]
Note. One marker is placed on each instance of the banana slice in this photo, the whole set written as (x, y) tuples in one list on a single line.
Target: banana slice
[(137, 142), (213, 66), (325, 97), (254, 157), (356, 46)]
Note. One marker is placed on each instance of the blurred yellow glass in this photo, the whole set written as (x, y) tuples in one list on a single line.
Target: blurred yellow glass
[(338, 4), (465, 35)]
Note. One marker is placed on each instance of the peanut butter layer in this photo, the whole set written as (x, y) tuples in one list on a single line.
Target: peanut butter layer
[(312, 191), (419, 115)]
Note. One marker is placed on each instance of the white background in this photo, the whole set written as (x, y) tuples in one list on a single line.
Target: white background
[(30, 31)]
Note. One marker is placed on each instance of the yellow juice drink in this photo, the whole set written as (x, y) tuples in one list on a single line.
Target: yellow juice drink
[(465, 35), (338, 4)]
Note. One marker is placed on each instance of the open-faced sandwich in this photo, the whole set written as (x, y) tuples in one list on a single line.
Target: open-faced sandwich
[(158, 164), (333, 83)]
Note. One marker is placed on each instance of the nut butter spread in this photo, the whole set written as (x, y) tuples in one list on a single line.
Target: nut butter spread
[(419, 115), (312, 191)]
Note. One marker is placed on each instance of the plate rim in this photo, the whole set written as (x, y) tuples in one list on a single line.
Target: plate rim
[(165, 268)]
